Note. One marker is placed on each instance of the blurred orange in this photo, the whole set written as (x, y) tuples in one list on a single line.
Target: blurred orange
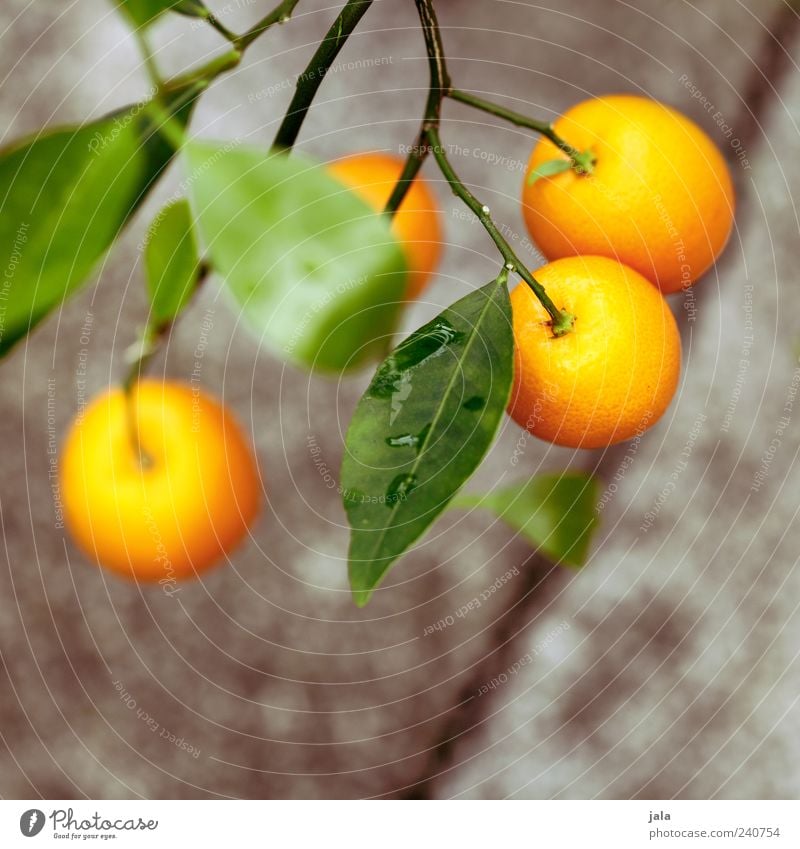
[(417, 224), (176, 509)]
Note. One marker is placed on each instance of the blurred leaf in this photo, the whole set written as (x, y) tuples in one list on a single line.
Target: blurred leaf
[(316, 272), (141, 13), (556, 513), (64, 197), (192, 9), (422, 428), (549, 169), (172, 262)]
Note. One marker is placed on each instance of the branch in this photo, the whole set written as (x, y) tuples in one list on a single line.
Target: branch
[(430, 142), (582, 161), (311, 79), (278, 15), (227, 61), (562, 321), (440, 78), (439, 88)]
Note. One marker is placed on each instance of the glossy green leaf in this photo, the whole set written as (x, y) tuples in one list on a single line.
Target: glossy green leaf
[(549, 169), (557, 514), (316, 272), (422, 427), (172, 262), (64, 197)]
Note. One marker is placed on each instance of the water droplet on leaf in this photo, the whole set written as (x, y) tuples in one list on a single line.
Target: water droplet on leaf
[(405, 440), (409, 440), (420, 346), (400, 488)]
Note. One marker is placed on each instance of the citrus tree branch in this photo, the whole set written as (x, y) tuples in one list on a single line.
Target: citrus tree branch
[(197, 79), (311, 79), (216, 23), (198, 9), (218, 65), (562, 321), (439, 87), (430, 142), (440, 78), (205, 74), (580, 159), (142, 352), (417, 155), (279, 15), (190, 84)]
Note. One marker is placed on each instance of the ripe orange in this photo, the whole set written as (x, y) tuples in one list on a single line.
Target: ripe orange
[(613, 375), (179, 511), (417, 223), (660, 198)]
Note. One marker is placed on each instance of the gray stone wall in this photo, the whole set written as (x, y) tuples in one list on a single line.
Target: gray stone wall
[(667, 668)]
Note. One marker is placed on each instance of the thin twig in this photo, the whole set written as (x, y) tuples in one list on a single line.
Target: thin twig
[(440, 87), (228, 35), (579, 158), (279, 15), (311, 79), (189, 85), (561, 320)]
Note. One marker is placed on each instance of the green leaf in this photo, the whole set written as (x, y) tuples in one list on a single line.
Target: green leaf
[(64, 197), (422, 428), (549, 169), (316, 272), (192, 9), (172, 262), (142, 13), (555, 513), (583, 164)]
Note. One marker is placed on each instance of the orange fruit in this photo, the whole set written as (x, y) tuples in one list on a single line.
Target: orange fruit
[(417, 223), (660, 198), (180, 510), (613, 375)]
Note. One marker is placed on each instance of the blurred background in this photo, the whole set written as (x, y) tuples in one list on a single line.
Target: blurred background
[(667, 668)]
